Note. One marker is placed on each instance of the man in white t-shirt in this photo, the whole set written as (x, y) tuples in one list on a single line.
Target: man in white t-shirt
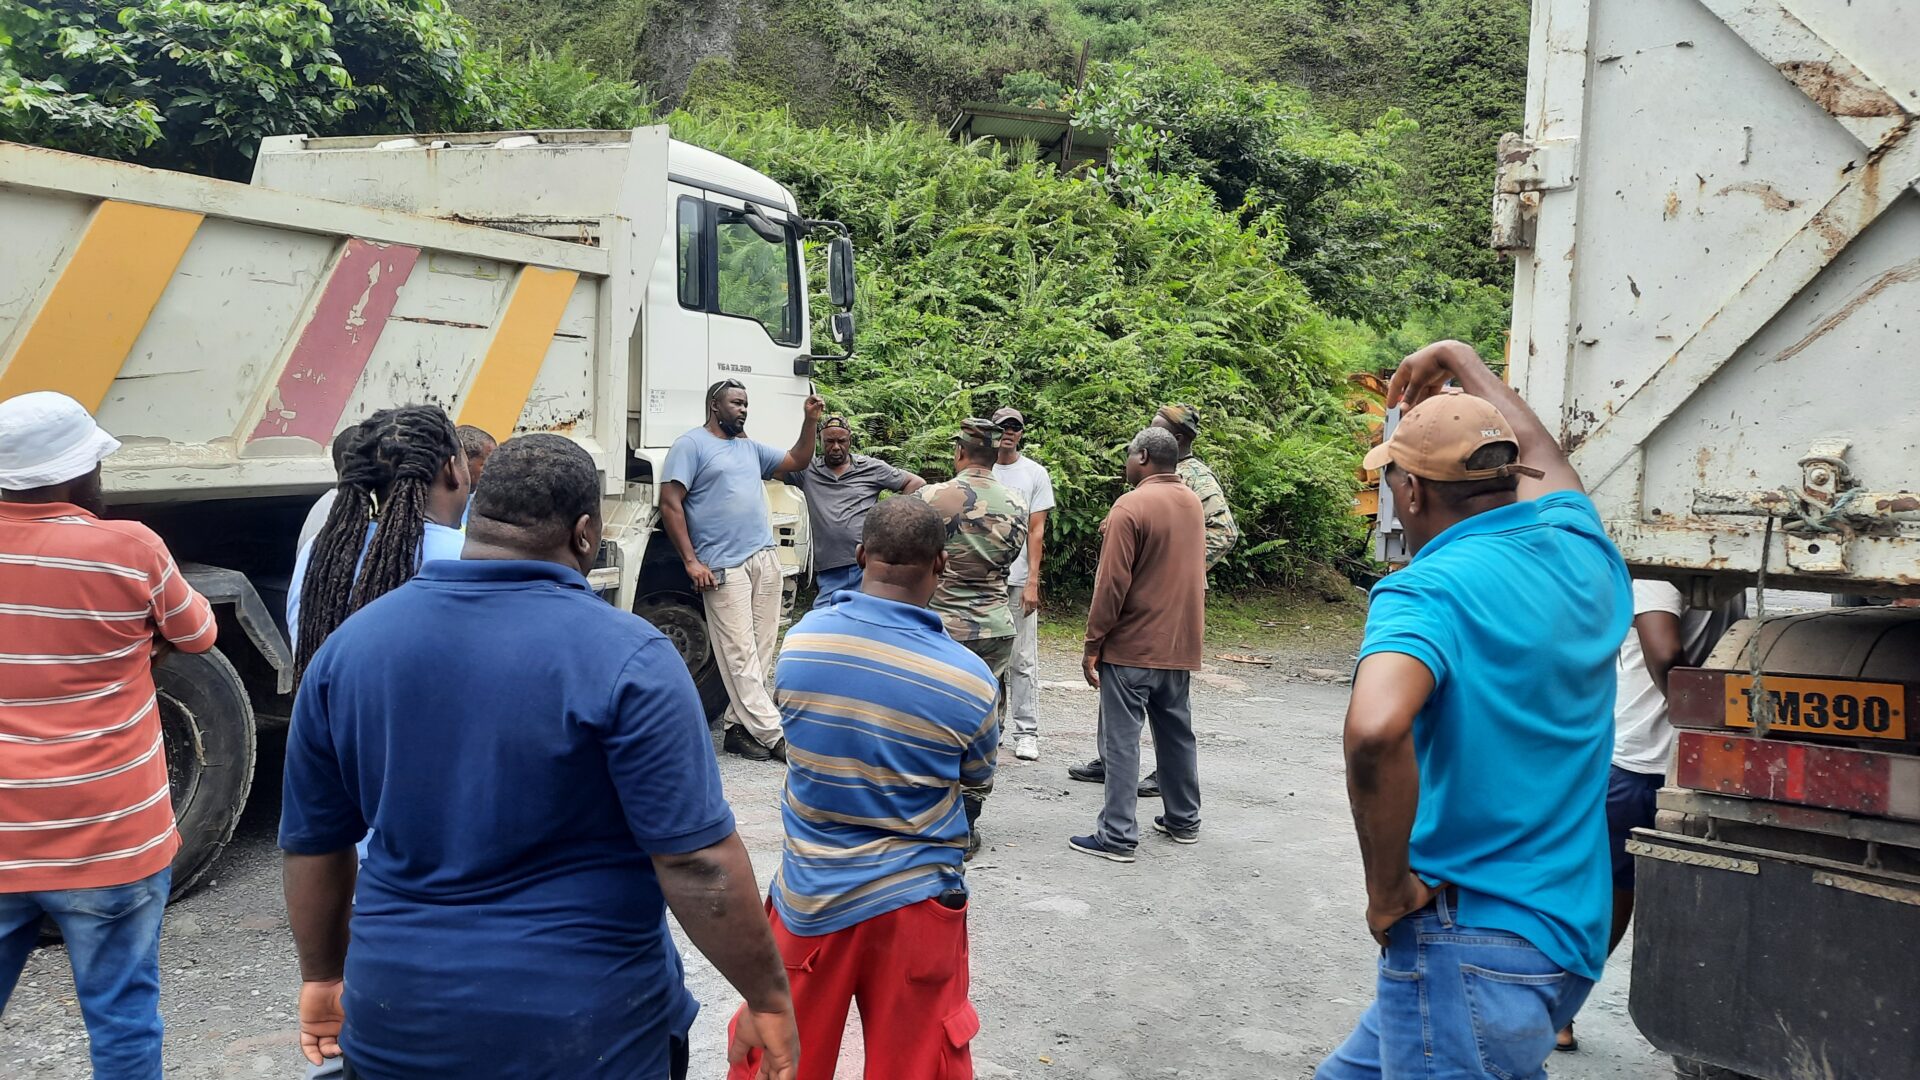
[(1642, 739), (1020, 699)]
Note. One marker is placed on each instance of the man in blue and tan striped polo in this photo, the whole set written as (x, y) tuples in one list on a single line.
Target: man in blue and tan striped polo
[(886, 718)]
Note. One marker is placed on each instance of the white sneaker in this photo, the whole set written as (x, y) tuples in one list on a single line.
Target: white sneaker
[(1026, 747)]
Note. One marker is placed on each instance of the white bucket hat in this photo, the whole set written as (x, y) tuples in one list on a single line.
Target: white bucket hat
[(48, 438)]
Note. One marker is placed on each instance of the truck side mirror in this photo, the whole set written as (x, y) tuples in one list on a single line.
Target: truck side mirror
[(842, 328), (840, 278)]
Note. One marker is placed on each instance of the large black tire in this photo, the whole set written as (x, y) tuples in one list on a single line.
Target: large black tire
[(683, 619), (1688, 1069), (207, 723)]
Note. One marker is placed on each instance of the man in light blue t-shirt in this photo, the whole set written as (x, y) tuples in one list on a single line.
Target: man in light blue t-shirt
[(714, 504), (1479, 736)]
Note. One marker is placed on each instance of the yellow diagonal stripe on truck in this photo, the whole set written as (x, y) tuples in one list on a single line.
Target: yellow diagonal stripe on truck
[(97, 307), (520, 340)]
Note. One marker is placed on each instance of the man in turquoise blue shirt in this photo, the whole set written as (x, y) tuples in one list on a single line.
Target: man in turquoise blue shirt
[(1479, 736)]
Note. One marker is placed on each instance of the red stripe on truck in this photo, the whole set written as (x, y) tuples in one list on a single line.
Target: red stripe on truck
[(337, 341), (1833, 778)]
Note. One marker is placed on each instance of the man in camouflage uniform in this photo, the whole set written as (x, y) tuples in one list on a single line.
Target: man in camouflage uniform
[(1222, 533), (986, 530), (1184, 422)]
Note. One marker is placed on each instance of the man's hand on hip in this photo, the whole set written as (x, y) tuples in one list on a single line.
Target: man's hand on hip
[(773, 1037), (701, 577), (321, 1017), (1389, 906)]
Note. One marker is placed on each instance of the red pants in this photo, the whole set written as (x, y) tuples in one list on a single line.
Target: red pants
[(908, 971)]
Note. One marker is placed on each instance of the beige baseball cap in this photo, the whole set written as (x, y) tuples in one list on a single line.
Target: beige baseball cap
[(1437, 437)]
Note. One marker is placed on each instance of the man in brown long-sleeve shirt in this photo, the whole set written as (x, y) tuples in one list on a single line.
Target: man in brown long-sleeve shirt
[(1143, 646)]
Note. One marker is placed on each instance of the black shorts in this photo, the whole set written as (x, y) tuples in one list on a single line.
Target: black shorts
[(1630, 806)]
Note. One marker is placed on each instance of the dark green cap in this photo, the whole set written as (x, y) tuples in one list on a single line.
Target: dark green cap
[(978, 434), (1182, 416)]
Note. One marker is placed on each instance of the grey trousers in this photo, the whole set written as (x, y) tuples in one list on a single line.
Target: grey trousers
[(1131, 699)]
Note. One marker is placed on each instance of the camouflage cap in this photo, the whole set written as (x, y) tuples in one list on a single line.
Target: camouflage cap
[(1182, 416), (832, 422), (978, 434)]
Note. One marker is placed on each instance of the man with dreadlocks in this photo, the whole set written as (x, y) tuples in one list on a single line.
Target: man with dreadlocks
[(317, 515), (403, 488), (714, 504), (536, 801)]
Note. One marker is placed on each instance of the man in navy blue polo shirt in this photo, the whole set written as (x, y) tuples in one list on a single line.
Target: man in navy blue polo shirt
[(1479, 737), (538, 796)]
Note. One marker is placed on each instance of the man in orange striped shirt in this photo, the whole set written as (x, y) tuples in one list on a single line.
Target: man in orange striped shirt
[(86, 826)]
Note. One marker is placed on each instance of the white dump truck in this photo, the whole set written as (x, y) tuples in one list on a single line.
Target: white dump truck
[(1717, 240), (582, 282)]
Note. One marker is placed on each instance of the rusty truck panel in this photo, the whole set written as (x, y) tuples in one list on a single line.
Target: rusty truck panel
[(1717, 239)]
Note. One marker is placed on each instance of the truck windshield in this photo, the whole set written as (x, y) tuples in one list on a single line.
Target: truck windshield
[(759, 279)]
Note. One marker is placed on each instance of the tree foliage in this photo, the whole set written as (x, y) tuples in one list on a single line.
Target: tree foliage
[(1297, 190), (556, 90), (1266, 154), (186, 84), (989, 280)]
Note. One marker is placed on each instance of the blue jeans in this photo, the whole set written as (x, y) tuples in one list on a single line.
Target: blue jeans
[(1455, 1002), (836, 579), (113, 943)]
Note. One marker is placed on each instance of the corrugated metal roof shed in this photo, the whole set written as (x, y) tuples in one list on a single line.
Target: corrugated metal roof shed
[(1048, 129)]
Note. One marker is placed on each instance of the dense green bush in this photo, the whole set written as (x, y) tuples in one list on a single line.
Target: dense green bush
[(989, 281), (1266, 154), (195, 85), (1474, 313), (1206, 264)]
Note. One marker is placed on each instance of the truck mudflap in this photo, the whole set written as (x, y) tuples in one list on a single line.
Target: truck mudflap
[(1773, 964)]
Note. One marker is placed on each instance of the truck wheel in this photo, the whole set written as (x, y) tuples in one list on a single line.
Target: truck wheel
[(683, 618), (1688, 1069), (206, 722)]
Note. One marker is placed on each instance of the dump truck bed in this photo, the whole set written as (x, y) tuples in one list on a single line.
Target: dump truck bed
[(1718, 298), (224, 332)]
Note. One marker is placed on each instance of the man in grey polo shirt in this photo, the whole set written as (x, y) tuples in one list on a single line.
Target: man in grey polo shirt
[(841, 487)]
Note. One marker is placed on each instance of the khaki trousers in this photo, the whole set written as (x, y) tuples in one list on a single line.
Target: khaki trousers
[(743, 621)]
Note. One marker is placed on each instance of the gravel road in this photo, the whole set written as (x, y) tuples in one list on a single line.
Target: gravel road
[(1243, 956)]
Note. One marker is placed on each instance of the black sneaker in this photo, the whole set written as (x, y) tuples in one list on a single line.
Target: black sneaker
[(1091, 845), (1150, 787), (1179, 836), (1093, 772), (973, 845), (737, 741)]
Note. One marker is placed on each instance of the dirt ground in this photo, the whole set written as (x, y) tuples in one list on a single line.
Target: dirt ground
[(1244, 956)]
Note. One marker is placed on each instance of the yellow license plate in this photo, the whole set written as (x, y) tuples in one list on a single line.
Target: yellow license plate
[(1855, 710)]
